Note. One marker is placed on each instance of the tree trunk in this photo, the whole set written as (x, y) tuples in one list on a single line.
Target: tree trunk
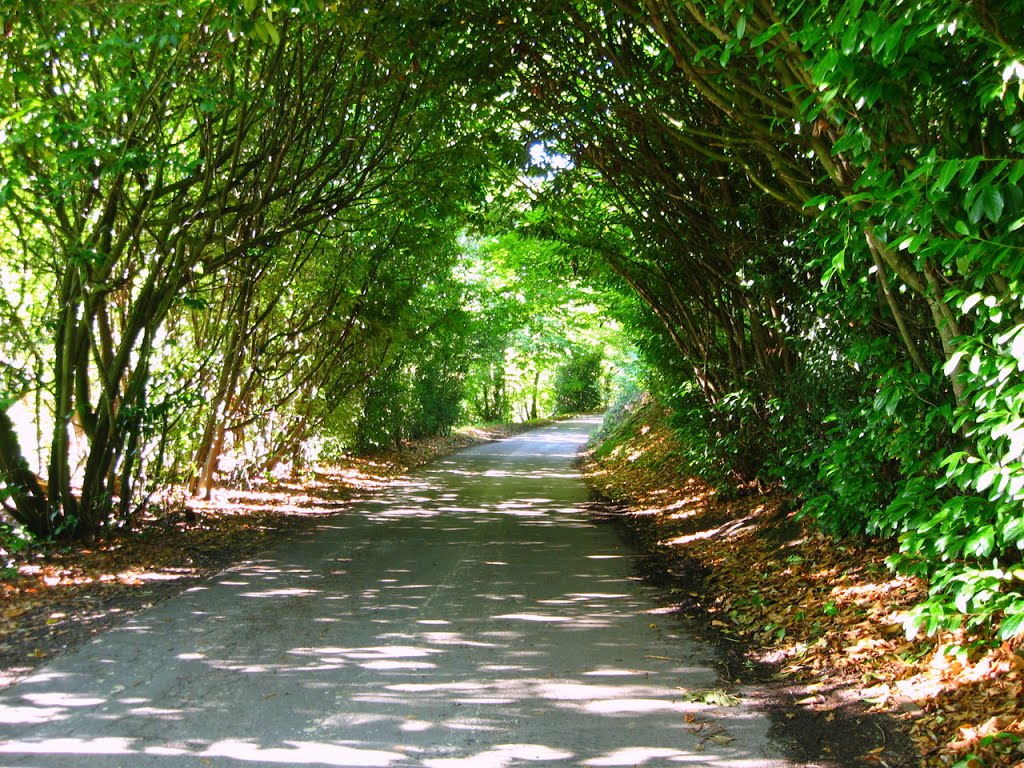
[(30, 506), (211, 445), (535, 394), (62, 502)]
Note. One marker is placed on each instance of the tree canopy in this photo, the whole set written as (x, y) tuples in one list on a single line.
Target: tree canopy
[(238, 236)]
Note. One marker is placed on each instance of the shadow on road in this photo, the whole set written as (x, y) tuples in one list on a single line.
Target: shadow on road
[(472, 618)]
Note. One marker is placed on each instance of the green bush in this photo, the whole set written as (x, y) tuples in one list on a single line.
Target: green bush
[(579, 383), (386, 405), (437, 400)]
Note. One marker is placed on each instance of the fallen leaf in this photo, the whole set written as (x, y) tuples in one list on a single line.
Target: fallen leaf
[(716, 697)]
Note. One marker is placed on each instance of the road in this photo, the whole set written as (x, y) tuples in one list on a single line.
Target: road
[(469, 617)]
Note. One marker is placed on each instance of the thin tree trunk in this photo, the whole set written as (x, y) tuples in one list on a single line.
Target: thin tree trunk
[(211, 444), (30, 507), (63, 505), (536, 394), (883, 281)]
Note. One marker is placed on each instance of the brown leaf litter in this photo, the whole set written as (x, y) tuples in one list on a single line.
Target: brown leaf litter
[(826, 616)]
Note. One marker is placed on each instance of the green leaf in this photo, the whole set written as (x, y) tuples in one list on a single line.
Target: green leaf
[(954, 458), (981, 542), (1013, 531), (953, 363), (1011, 626), (988, 203), (946, 174), (986, 478), (967, 172), (767, 35), (826, 66), (266, 31), (275, 36), (970, 302)]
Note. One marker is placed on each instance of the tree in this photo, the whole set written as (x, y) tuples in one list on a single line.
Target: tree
[(705, 136), (132, 192), (579, 383)]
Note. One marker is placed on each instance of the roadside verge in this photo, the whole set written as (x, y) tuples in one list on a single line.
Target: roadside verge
[(816, 622)]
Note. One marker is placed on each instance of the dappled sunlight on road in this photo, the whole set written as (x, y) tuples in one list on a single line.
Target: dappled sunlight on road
[(465, 620)]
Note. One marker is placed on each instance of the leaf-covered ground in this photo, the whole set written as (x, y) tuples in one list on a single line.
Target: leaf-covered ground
[(824, 616), (63, 594)]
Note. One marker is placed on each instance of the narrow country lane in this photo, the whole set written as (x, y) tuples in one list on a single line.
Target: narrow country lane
[(472, 617)]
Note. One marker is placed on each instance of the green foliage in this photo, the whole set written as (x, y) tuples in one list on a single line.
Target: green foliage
[(943, 200), (233, 233), (865, 355), (579, 382), (217, 224), (386, 401), (617, 418), (720, 443), (439, 404), (527, 319), (702, 450), (437, 396), (13, 539)]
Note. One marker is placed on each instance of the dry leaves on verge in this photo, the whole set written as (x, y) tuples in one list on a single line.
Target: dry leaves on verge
[(823, 612)]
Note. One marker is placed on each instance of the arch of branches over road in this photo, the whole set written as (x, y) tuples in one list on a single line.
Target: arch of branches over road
[(245, 224)]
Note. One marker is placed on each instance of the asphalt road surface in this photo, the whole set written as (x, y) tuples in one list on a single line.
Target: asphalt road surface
[(472, 617)]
